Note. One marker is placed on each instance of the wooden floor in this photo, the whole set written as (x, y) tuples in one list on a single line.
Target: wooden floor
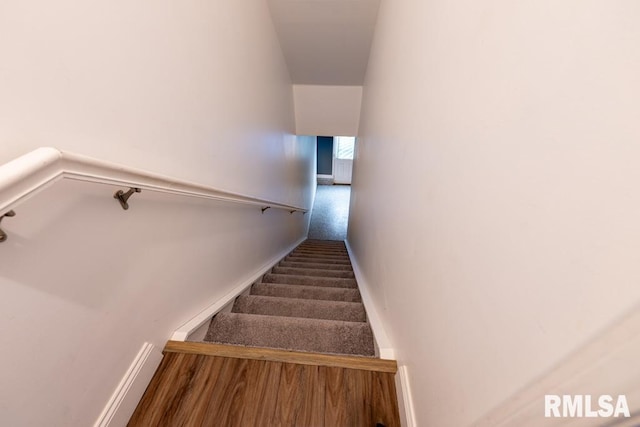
[(204, 390)]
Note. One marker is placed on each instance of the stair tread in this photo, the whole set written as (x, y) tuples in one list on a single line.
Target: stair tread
[(316, 254), (297, 258), (322, 248), (312, 272), (292, 333), (306, 292), (319, 256), (336, 267), (324, 242), (294, 307), (339, 251), (309, 280)]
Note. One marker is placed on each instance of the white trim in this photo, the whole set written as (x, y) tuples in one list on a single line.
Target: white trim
[(128, 393), (25, 176), (183, 332), (383, 344), (409, 416), (334, 148), (324, 176)]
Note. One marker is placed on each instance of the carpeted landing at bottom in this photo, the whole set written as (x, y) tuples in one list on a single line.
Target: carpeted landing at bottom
[(308, 302)]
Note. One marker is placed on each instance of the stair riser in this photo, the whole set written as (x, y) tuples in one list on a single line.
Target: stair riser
[(306, 292), (313, 272), (333, 267)]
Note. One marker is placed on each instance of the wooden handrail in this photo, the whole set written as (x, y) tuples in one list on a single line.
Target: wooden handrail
[(29, 174)]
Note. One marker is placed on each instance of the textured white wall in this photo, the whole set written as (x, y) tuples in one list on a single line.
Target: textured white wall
[(327, 110), (194, 90), (495, 198), (166, 87)]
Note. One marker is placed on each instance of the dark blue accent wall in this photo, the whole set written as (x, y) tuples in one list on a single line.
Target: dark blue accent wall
[(325, 155)]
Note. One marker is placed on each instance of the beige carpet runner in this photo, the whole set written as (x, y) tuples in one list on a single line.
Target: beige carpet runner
[(307, 302)]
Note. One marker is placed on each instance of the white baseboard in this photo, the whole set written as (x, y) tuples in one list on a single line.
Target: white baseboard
[(126, 396), (405, 401), (383, 345), (183, 332), (384, 349)]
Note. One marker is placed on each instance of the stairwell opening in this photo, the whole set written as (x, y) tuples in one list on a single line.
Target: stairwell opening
[(330, 213)]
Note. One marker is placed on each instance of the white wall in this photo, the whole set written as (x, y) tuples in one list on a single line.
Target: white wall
[(194, 90), (327, 110), (325, 43), (495, 198)]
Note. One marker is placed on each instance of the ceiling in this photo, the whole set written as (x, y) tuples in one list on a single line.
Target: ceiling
[(325, 42)]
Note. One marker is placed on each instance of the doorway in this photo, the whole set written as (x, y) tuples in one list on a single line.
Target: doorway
[(335, 159), (343, 159)]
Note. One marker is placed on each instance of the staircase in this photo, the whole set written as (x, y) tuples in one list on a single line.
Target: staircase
[(308, 302)]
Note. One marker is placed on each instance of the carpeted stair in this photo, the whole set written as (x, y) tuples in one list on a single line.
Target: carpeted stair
[(308, 302)]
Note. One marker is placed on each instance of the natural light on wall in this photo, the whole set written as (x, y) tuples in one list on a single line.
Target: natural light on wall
[(345, 146)]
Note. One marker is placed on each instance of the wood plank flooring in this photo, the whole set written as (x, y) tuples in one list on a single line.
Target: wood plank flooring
[(203, 390)]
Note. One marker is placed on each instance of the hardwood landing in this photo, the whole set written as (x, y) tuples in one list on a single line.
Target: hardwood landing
[(210, 390)]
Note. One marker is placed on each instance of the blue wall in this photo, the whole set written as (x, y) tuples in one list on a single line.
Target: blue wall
[(325, 155)]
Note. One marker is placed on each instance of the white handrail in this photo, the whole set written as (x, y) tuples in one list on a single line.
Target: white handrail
[(27, 175)]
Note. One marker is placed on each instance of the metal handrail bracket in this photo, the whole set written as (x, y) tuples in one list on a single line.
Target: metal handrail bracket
[(3, 235)]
